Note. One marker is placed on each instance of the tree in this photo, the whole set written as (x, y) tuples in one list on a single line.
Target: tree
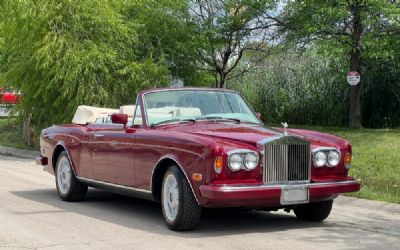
[(356, 29), (65, 53), (166, 33), (229, 28)]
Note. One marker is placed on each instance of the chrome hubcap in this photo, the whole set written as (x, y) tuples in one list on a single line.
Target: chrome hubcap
[(170, 197), (64, 175)]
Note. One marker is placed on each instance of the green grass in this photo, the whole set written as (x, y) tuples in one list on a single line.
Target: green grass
[(11, 134), (376, 160)]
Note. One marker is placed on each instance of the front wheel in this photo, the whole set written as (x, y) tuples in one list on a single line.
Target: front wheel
[(179, 206), (68, 187), (317, 211)]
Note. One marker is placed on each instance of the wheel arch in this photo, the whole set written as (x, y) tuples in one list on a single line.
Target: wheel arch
[(159, 172), (60, 147)]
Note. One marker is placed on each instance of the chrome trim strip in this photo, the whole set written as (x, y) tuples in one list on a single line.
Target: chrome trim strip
[(96, 182), (108, 142), (187, 89), (180, 166), (134, 112), (229, 188)]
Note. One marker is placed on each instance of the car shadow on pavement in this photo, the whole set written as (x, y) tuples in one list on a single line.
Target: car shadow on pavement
[(146, 215)]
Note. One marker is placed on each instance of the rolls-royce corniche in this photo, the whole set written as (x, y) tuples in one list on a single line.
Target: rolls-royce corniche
[(193, 148)]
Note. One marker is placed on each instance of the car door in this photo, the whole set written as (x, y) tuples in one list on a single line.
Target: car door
[(112, 155)]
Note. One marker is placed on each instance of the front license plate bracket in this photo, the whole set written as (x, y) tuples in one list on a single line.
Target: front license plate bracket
[(295, 194)]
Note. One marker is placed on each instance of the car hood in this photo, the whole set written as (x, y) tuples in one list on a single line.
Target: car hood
[(251, 134)]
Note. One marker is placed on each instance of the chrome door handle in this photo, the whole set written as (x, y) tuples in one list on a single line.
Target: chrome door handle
[(114, 144), (98, 135)]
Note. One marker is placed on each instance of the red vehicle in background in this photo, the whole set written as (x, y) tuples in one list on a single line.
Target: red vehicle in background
[(8, 99), (9, 96)]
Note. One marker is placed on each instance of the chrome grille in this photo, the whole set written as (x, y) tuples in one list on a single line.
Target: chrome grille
[(287, 159)]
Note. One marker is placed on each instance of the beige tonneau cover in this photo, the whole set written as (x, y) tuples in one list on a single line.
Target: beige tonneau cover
[(87, 114)]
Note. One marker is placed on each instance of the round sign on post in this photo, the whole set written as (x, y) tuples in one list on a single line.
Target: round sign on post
[(353, 78)]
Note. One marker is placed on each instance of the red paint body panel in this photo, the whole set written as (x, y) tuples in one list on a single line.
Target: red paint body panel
[(128, 157)]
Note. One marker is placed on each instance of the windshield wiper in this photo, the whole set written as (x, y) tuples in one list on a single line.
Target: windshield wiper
[(172, 120), (218, 118)]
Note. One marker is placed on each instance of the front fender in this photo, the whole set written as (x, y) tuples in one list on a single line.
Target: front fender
[(161, 167)]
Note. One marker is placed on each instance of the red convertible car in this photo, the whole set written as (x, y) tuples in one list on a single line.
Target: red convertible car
[(192, 148)]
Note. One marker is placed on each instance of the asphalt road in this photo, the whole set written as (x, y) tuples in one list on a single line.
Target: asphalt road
[(32, 216)]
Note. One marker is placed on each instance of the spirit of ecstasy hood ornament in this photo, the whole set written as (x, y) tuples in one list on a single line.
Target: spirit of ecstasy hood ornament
[(285, 126)]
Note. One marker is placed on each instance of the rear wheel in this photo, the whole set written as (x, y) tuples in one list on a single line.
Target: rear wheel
[(68, 187), (179, 206), (317, 211)]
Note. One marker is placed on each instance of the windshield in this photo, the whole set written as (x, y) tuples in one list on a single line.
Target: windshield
[(194, 105)]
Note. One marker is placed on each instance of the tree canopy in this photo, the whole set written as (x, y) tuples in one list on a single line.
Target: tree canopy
[(230, 28), (65, 53)]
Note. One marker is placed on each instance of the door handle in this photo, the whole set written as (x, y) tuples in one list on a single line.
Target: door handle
[(114, 143)]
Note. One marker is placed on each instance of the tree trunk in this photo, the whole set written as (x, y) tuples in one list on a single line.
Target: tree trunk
[(29, 132), (355, 65), (355, 106), (222, 80), (355, 93)]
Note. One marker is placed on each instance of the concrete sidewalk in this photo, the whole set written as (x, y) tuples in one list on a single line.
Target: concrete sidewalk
[(22, 153)]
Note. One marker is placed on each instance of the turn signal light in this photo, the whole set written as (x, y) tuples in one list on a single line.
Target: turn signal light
[(347, 160), (197, 177), (218, 164)]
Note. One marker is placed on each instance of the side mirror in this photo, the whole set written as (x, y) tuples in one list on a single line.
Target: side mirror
[(119, 119), (258, 114)]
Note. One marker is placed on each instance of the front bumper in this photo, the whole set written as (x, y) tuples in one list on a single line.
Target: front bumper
[(270, 195)]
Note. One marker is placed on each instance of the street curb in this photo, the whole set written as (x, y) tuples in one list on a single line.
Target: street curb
[(22, 153)]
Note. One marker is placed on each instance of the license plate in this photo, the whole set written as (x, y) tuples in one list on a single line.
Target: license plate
[(294, 195)]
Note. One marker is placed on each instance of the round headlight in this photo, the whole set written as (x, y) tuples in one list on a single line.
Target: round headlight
[(235, 162), (333, 158), (250, 161), (319, 159)]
